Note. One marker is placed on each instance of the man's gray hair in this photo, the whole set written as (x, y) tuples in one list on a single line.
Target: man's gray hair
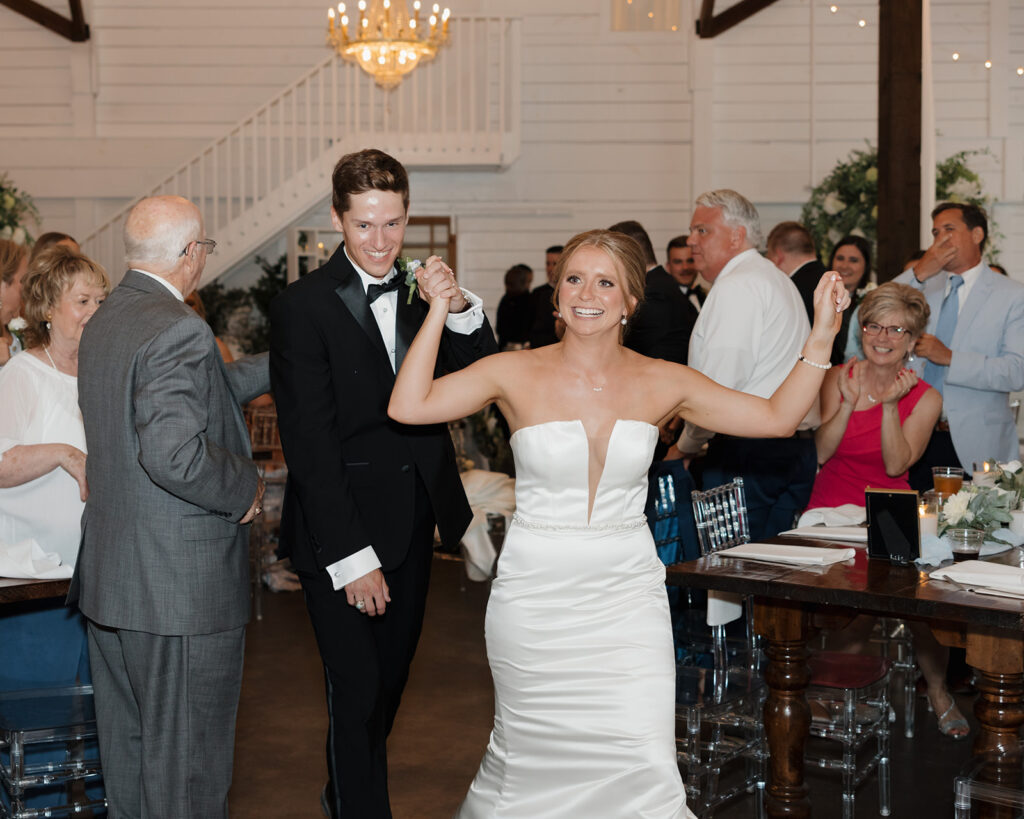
[(737, 211), (162, 247)]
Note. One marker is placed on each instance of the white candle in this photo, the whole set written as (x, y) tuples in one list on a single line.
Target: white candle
[(930, 522), (984, 478), (1017, 524)]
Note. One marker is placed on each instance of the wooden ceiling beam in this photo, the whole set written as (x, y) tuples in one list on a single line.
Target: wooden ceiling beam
[(711, 25), (73, 28)]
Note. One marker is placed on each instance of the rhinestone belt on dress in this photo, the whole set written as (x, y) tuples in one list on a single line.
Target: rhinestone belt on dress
[(630, 523)]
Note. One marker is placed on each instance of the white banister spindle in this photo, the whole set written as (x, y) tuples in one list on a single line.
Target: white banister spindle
[(461, 107)]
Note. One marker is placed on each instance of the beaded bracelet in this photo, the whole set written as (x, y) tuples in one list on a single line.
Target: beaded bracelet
[(814, 363)]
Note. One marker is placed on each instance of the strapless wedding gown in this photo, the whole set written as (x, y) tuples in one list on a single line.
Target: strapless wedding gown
[(579, 641)]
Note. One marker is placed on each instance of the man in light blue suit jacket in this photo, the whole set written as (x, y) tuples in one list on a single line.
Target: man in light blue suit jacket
[(983, 362)]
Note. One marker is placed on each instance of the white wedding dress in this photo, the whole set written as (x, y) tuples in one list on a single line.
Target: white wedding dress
[(579, 641)]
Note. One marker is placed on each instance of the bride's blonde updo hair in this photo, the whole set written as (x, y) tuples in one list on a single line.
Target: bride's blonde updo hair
[(622, 249)]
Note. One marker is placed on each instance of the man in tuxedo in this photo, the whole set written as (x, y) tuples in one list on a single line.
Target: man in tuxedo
[(364, 492), (973, 350), (791, 249), (680, 265), (163, 569), (661, 325), (543, 332)]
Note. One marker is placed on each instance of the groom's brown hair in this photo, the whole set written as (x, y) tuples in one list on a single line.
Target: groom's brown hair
[(367, 170)]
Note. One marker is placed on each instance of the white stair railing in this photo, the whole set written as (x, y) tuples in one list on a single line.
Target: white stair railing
[(463, 108)]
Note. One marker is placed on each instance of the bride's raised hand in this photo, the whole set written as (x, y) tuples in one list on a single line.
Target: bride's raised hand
[(437, 283), (830, 299)]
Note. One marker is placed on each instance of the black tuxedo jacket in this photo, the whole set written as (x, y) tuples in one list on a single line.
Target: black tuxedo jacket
[(663, 323), (542, 330), (806, 278), (351, 469)]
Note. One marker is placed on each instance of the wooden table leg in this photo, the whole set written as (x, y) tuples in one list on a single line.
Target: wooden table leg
[(787, 717), (999, 660)]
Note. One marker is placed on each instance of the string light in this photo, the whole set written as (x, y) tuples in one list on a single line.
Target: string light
[(1020, 70), (833, 9), (862, 23), (956, 56), (988, 63)]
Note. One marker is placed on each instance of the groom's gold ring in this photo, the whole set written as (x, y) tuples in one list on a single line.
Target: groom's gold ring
[(360, 605)]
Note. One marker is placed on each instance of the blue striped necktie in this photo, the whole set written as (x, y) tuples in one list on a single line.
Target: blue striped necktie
[(935, 374)]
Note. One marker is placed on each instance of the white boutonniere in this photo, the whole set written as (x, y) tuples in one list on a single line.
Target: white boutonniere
[(408, 266), (17, 326)]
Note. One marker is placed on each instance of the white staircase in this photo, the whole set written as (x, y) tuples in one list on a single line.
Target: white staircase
[(462, 109)]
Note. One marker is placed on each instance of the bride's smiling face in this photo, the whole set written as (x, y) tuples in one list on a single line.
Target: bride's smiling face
[(591, 293)]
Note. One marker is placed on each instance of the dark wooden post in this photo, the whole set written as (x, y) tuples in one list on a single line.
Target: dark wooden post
[(899, 134)]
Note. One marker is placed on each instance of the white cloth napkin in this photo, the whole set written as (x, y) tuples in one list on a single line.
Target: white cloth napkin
[(853, 534), (789, 555), (934, 550), (27, 560), (488, 493), (723, 607), (985, 577), (849, 514)]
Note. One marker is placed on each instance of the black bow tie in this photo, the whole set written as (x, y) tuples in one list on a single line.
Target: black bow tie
[(375, 291)]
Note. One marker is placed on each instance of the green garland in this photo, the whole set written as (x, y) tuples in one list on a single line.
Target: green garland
[(846, 201), (16, 210)]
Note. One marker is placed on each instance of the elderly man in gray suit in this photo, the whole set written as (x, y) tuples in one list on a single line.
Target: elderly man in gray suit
[(162, 575)]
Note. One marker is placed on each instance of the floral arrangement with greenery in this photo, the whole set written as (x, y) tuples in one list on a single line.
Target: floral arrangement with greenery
[(846, 201), (1010, 476), (16, 210), (986, 508)]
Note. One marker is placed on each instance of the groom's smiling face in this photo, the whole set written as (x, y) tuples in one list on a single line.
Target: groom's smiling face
[(373, 228)]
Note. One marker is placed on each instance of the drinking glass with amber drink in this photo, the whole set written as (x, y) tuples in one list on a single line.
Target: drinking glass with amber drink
[(947, 479)]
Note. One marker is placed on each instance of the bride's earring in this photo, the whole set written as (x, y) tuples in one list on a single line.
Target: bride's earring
[(623, 322)]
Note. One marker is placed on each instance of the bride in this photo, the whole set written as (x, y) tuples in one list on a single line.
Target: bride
[(578, 634)]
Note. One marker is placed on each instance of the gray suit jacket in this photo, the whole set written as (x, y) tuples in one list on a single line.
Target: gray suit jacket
[(987, 365), (168, 468)]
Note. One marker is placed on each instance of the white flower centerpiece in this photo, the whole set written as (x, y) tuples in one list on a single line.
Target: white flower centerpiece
[(984, 508)]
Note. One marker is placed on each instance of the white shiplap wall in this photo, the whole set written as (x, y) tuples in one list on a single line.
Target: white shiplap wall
[(615, 125)]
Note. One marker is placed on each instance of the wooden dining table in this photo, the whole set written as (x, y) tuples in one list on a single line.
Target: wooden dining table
[(15, 590), (991, 629)]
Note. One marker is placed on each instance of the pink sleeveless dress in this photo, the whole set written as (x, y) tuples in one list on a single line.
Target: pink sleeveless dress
[(857, 463)]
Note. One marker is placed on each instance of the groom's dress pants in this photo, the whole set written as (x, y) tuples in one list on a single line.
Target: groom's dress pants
[(366, 665)]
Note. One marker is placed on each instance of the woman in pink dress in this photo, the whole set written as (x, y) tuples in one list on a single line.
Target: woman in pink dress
[(877, 417)]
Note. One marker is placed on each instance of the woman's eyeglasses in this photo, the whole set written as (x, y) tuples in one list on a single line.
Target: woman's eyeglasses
[(892, 331)]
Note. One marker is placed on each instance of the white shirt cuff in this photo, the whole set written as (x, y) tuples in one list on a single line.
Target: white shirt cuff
[(352, 567), (468, 321), (692, 439)]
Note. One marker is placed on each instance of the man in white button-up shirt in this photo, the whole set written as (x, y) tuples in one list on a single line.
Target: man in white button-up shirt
[(364, 492), (748, 337)]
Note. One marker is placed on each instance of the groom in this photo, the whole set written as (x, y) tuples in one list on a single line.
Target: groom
[(364, 493)]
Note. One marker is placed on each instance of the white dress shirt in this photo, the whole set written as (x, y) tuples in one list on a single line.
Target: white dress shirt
[(174, 290), (749, 335), (364, 561)]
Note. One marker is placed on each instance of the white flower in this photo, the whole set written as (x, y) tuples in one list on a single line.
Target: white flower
[(5, 233), (955, 511), (17, 324), (858, 232), (1012, 466), (964, 189), (833, 204), (8, 201), (834, 235), (18, 237)]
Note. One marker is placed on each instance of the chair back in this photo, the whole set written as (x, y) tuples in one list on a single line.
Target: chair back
[(721, 516), (669, 515)]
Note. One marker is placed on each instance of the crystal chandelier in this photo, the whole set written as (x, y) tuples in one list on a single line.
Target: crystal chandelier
[(386, 41)]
